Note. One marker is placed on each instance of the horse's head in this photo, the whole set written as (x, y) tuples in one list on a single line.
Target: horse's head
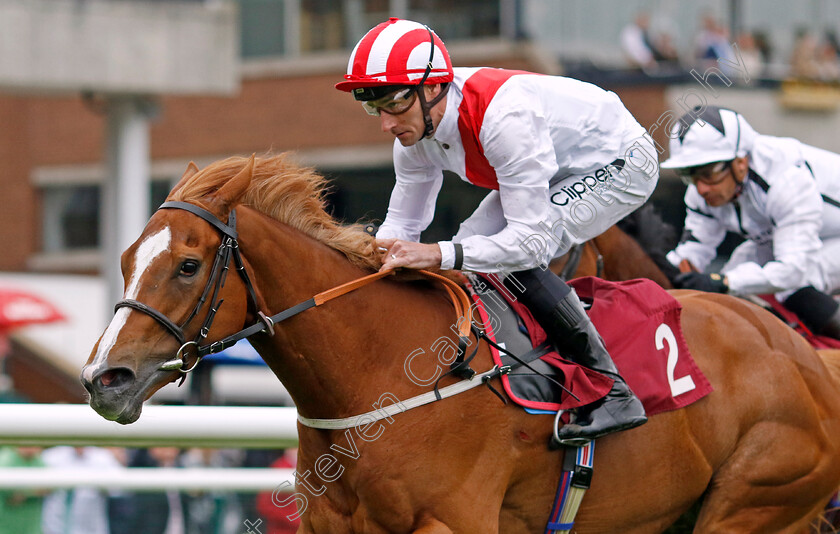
[(175, 278)]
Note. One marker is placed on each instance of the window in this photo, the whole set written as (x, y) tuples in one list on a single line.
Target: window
[(71, 217), (465, 19), (290, 27), (321, 25), (262, 28)]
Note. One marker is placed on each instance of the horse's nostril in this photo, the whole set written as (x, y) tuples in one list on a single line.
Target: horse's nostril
[(115, 378)]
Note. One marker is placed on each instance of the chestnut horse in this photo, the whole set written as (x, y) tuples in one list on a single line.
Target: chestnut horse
[(761, 450)]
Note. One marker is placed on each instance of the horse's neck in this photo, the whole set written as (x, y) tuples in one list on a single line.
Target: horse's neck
[(334, 358), (624, 258)]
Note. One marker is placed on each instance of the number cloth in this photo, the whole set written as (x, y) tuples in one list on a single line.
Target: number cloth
[(640, 324)]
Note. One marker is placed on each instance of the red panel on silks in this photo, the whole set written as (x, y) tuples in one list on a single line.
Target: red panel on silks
[(479, 91)]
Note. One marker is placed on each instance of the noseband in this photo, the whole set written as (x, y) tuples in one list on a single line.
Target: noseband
[(229, 248)]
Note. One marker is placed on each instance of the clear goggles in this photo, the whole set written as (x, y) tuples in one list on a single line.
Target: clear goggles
[(393, 103), (709, 174)]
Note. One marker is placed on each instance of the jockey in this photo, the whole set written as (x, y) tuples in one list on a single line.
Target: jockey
[(781, 195), (564, 161)]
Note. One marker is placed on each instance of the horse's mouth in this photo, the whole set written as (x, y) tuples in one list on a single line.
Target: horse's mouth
[(123, 413), (118, 395)]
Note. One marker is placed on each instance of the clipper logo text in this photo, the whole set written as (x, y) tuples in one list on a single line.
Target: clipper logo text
[(599, 181)]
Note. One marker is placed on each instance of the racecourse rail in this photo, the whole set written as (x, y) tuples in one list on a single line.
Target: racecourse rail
[(47, 425)]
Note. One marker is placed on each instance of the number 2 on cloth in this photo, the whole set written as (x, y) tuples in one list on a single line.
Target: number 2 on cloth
[(678, 385)]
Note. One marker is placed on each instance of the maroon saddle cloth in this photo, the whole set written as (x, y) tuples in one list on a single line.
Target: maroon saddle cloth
[(640, 324)]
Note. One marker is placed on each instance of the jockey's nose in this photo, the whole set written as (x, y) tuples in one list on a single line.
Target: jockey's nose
[(387, 121)]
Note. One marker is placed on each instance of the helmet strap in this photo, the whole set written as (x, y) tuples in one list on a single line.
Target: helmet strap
[(421, 94), (739, 187), (427, 107)]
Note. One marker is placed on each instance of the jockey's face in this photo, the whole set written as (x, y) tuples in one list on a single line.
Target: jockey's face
[(721, 188), (408, 127)]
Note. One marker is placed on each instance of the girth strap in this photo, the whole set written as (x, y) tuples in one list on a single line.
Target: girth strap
[(402, 406)]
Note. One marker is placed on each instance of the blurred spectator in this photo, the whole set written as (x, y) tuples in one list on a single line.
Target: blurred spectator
[(751, 57), (832, 40), (20, 510), (153, 512), (276, 517), (828, 63), (255, 458), (117, 498), (172, 511), (762, 42), (803, 61), (80, 510), (712, 43), (635, 41), (642, 49), (665, 51), (212, 512)]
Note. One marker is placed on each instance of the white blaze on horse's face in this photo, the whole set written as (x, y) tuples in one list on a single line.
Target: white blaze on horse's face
[(150, 249)]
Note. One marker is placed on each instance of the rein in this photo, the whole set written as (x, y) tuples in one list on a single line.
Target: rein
[(228, 249), (572, 262), (575, 255)]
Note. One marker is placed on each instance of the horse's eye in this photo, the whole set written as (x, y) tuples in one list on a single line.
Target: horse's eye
[(189, 268)]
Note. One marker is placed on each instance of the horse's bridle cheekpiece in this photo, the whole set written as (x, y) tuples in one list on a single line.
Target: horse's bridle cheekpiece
[(218, 273)]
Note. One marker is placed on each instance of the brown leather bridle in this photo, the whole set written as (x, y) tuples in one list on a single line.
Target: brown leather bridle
[(229, 248)]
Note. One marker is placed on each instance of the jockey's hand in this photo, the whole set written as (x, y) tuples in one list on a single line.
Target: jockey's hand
[(398, 253), (713, 283)]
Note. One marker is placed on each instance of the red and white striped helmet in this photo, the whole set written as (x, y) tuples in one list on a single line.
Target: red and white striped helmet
[(397, 53)]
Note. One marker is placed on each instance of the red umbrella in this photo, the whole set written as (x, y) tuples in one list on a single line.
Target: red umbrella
[(20, 308)]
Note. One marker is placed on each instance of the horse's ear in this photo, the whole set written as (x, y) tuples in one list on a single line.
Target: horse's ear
[(191, 171), (229, 194)]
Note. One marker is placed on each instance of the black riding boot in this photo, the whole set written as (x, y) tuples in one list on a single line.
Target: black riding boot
[(832, 327), (560, 312), (817, 310)]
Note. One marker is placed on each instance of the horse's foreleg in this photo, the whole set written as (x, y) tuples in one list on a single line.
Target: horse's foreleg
[(756, 520), (778, 480)]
